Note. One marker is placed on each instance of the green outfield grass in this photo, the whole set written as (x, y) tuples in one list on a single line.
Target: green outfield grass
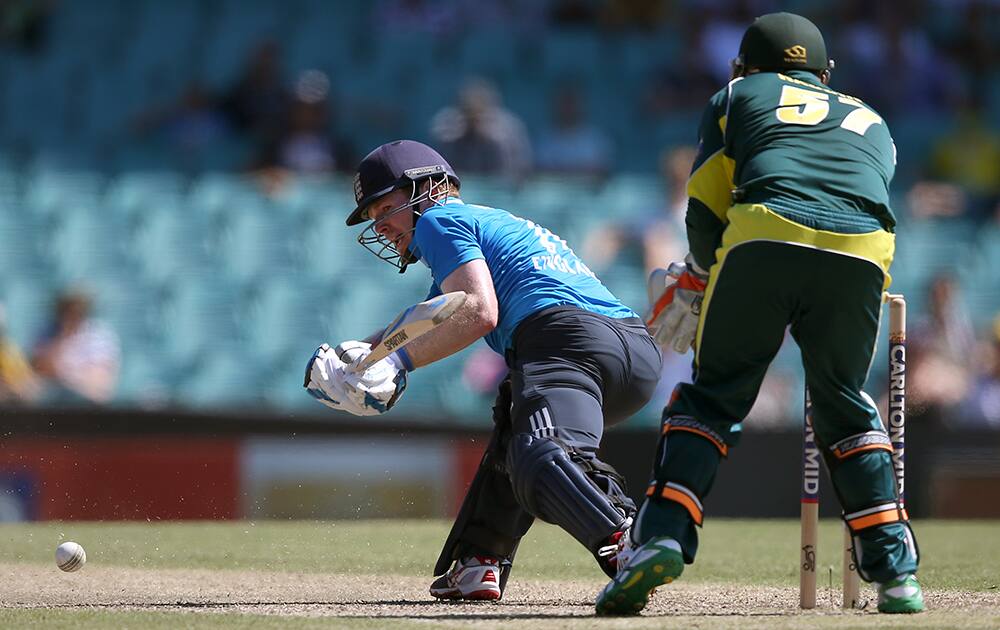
[(956, 555)]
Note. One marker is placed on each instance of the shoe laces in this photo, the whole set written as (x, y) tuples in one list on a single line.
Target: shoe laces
[(618, 543)]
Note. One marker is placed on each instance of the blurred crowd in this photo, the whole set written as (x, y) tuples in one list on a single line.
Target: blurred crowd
[(927, 62), (920, 62), (74, 361)]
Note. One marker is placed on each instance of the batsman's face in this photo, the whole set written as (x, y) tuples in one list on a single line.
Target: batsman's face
[(392, 221)]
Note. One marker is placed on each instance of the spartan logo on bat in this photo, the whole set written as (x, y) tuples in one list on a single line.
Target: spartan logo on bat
[(392, 342)]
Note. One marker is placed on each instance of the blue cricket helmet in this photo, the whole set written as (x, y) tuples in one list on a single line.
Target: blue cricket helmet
[(392, 166)]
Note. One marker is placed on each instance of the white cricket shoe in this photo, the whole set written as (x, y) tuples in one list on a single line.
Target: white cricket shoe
[(475, 577), (618, 550)]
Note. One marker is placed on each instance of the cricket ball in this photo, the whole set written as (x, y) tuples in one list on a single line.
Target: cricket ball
[(70, 556)]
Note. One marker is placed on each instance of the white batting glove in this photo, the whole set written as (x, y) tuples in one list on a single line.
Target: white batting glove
[(675, 297), (330, 379), (381, 384), (324, 380)]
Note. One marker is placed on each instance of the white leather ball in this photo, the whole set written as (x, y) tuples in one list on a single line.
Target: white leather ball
[(70, 556)]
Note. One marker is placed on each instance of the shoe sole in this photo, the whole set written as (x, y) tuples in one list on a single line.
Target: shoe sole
[(903, 609), (483, 595), (629, 592)]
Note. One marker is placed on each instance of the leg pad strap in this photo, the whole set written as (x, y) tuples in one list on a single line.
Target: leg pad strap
[(855, 444), (678, 494), (690, 425), (881, 514)]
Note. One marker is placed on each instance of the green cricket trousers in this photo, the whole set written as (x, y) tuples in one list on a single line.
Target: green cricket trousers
[(826, 288)]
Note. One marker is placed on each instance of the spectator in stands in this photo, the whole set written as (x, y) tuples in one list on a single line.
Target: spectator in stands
[(478, 135), (982, 406), (950, 325), (18, 384), (659, 233), (969, 155), (928, 199), (190, 126), (258, 103), (306, 145), (960, 176), (666, 237), (722, 33), (892, 60), (572, 144), (78, 356), (939, 349), (483, 371), (682, 83)]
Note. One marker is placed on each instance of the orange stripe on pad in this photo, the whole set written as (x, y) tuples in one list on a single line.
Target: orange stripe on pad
[(719, 445), (868, 447), (679, 497), (879, 518)]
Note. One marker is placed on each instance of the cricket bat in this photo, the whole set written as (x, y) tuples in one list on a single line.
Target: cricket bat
[(412, 323)]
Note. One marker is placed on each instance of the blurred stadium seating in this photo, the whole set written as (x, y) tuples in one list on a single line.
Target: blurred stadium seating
[(212, 290), (220, 292)]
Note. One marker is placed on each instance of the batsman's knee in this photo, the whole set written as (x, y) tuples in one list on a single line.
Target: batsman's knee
[(551, 484)]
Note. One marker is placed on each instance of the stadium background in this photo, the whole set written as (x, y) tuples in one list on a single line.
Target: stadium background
[(125, 172)]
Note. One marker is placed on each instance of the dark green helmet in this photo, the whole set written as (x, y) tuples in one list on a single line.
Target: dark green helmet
[(782, 41)]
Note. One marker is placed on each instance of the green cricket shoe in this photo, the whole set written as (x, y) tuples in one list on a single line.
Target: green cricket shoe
[(657, 562), (902, 595)]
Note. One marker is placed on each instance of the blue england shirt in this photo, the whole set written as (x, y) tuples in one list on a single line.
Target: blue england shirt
[(532, 268)]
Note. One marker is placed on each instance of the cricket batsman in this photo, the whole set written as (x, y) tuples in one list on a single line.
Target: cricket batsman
[(578, 359), (788, 224)]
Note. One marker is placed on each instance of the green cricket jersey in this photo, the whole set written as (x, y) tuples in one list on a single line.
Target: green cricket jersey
[(811, 155)]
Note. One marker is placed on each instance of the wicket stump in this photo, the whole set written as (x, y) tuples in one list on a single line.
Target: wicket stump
[(895, 426)]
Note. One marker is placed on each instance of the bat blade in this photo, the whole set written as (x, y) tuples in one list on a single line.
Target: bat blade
[(412, 323)]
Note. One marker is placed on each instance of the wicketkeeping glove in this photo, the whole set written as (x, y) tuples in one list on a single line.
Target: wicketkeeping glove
[(331, 380), (675, 296)]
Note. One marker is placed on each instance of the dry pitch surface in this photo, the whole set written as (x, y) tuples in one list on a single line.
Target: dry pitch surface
[(135, 584)]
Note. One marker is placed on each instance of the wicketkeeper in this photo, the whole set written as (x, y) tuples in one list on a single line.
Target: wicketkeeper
[(578, 361), (788, 225)]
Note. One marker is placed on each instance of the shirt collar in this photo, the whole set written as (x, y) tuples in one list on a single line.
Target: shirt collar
[(804, 75)]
